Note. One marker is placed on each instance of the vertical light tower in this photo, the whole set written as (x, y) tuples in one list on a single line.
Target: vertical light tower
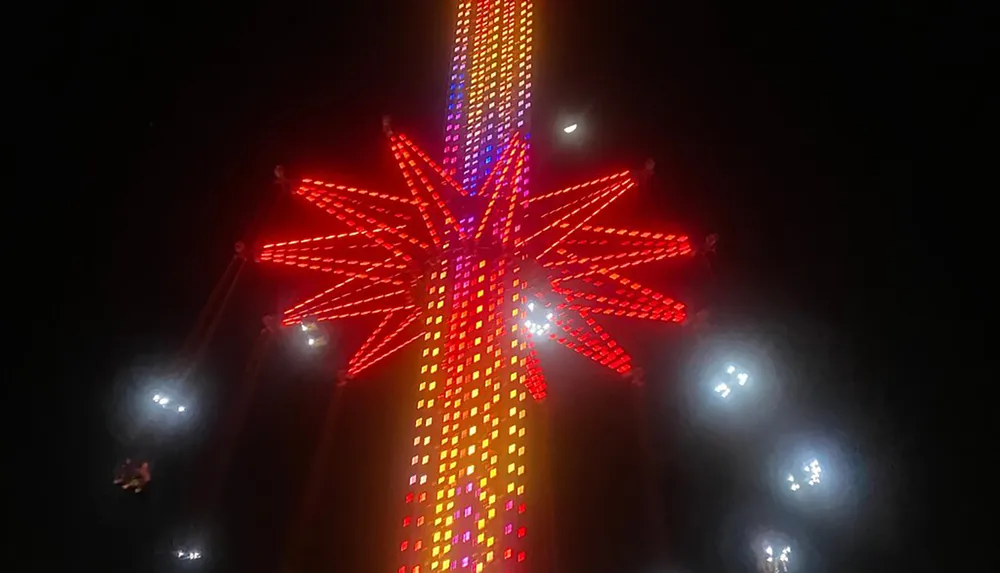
[(477, 268), (466, 504)]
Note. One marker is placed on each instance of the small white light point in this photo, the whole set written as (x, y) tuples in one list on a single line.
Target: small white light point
[(570, 128)]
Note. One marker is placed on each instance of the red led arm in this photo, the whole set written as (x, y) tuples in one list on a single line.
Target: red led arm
[(372, 351), (585, 336)]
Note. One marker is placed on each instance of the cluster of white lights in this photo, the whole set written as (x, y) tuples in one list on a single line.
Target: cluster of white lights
[(724, 389), (165, 401), (538, 327), (778, 563), (813, 473), (315, 336), (188, 555)]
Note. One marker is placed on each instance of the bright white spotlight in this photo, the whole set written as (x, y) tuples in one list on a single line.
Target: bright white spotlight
[(315, 336), (734, 377), (775, 562), (189, 555), (181, 408), (538, 319), (811, 475), (570, 128)]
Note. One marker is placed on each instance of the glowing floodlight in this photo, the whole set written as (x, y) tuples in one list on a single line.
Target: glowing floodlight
[(811, 475), (734, 377)]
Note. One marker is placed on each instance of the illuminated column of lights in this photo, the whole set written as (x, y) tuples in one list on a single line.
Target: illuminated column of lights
[(455, 125), (489, 86), (473, 386), (420, 529)]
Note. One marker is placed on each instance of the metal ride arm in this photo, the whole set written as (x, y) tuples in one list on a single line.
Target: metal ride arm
[(203, 332), (210, 487)]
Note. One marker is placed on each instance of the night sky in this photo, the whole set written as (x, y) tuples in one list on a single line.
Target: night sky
[(803, 133)]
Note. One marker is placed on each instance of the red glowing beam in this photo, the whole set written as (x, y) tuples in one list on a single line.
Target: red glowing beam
[(430, 162), (621, 188), (371, 338), (627, 256), (411, 184), (618, 190), (286, 251), (668, 315), (449, 218), (572, 203), (320, 187), (341, 212), (631, 290), (506, 160), (590, 340), (365, 358), (281, 258), (604, 193), (609, 271), (625, 300), (401, 293), (323, 200), (316, 265), (322, 238), (287, 322), (325, 304), (600, 181), (360, 367), (515, 190), (634, 233)]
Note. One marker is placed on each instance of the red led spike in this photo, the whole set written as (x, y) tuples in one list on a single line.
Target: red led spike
[(430, 162), (602, 181), (370, 353)]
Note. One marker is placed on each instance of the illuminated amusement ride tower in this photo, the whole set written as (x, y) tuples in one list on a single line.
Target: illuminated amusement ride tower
[(474, 267)]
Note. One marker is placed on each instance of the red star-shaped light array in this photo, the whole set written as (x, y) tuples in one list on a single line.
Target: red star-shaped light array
[(575, 267)]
